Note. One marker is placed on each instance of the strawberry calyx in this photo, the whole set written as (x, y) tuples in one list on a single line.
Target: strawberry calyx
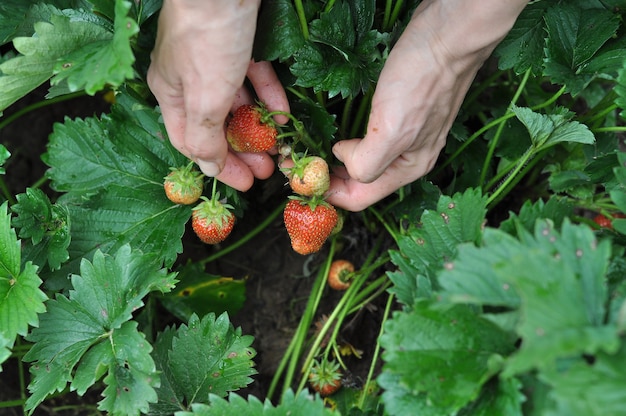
[(325, 376), (213, 210), (313, 202), (184, 184)]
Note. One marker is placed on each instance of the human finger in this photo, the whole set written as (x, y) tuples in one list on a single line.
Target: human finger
[(268, 88), (354, 195)]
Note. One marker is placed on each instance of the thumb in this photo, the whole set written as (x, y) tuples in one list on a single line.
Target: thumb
[(205, 141), (365, 159)]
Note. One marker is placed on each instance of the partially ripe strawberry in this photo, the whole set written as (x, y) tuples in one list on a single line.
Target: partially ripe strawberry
[(309, 223), (251, 130), (340, 274), (212, 221), (325, 378), (309, 176), (184, 185)]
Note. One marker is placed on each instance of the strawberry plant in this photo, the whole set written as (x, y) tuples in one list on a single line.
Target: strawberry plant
[(493, 285)]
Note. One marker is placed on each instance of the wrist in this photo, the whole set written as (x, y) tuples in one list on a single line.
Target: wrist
[(462, 30)]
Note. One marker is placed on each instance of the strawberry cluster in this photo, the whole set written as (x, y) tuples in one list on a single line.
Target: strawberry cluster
[(211, 219), (308, 218)]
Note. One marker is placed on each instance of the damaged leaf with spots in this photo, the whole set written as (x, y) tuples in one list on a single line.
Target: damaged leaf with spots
[(206, 357)]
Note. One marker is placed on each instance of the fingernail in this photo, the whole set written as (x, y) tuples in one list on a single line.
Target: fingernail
[(209, 168)]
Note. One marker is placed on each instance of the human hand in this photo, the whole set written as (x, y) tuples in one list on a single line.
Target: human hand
[(201, 58), (418, 96)]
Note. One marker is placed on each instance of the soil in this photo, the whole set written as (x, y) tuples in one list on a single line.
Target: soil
[(278, 279)]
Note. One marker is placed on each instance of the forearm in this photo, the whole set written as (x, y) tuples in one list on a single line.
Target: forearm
[(464, 29)]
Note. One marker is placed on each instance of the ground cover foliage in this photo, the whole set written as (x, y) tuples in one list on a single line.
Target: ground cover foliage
[(501, 291)]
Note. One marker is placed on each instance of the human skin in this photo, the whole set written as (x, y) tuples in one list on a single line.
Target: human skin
[(418, 95), (199, 65)]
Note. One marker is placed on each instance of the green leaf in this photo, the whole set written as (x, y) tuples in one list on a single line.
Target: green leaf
[(104, 62), (20, 297), (46, 225), (17, 17), (4, 156), (290, 404), (5, 349), (560, 281), (444, 354), (589, 389), (472, 277), (201, 293), (112, 171), (433, 242), (278, 34), (555, 208), (205, 357), (546, 130), (574, 37), (522, 48), (91, 332), (39, 54), (317, 121), (620, 90), (337, 58), (498, 397)]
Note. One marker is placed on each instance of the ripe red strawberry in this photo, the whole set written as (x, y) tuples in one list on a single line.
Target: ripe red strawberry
[(251, 130), (309, 223), (309, 176), (325, 378), (212, 221), (340, 274), (603, 221), (184, 185)]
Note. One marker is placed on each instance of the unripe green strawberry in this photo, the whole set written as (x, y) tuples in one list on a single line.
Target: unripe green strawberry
[(309, 176), (212, 221), (309, 223), (184, 185), (251, 130)]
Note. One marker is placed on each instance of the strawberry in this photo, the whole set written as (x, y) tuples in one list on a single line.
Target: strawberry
[(605, 222), (309, 223), (251, 130), (184, 185), (340, 274), (325, 378), (309, 176), (212, 221)]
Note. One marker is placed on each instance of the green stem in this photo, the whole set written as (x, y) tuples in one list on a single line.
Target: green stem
[(394, 14), (609, 129), (6, 193), (256, 230), (496, 138), (329, 6), (304, 25), (292, 354), (522, 167), (492, 124), (364, 106), (476, 92), (370, 373), (345, 118), (39, 104), (386, 16)]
